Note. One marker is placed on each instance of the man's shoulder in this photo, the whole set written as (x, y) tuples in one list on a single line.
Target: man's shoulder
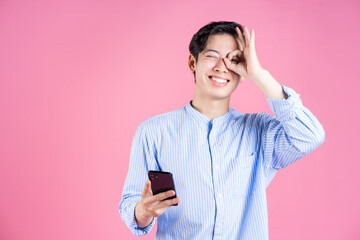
[(163, 119), (250, 118)]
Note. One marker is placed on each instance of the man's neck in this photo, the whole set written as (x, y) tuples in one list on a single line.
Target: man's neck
[(212, 108)]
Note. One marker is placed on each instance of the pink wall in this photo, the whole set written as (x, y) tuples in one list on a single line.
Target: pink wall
[(77, 77)]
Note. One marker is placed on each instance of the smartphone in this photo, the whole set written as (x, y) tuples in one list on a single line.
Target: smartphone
[(162, 182)]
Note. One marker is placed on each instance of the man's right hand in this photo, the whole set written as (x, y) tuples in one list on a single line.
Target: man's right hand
[(151, 206)]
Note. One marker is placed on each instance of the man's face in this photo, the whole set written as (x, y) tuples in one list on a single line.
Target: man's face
[(210, 69)]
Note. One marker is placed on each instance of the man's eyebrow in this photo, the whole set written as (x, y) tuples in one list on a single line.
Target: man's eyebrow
[(213, 50)]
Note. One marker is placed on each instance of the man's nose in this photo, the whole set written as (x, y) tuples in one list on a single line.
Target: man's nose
[(220, 66)]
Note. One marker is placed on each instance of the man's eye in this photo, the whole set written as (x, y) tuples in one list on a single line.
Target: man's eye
[(234, 60), (211, 56)]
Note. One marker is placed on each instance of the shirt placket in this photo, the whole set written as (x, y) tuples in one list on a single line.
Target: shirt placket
[(216, 177)]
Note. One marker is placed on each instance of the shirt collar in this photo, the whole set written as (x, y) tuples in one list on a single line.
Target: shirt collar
[(204, 120)]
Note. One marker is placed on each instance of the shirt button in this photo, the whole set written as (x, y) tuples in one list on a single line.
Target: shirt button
[(219, 225), (219, 195), (216, 167)]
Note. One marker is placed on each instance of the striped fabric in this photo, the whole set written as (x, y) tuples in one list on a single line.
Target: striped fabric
[(221, 167)]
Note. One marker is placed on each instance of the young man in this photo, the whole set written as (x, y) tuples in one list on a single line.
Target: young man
[(221, 160)]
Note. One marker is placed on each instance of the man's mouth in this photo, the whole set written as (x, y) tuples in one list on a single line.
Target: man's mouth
[(220, 82)]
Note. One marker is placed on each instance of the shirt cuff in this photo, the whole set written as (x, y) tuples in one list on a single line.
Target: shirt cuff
[(133, 226), (284, 108)]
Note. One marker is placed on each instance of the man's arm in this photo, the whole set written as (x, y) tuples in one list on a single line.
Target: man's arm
[(141, 161), (139, 207), (291, 134), (294, 131), (268, 85)]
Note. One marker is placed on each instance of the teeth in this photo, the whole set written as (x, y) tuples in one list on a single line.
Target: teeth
[(218, 80)]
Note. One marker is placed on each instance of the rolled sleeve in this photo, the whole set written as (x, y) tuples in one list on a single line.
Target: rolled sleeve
[(127, 212), (284, 108), (292, 133)]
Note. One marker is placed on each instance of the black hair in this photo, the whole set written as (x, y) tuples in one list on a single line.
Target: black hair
[(199, 40)]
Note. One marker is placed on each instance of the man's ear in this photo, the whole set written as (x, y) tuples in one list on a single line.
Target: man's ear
[(192, 63)]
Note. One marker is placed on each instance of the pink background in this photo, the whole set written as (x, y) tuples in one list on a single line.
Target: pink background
[(77, 78)]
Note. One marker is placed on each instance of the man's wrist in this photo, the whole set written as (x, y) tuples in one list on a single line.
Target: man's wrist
[(268, 85), (259, 74), (141, 221)]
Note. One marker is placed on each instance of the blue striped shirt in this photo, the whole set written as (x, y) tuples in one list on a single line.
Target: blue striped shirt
[(221, 167)]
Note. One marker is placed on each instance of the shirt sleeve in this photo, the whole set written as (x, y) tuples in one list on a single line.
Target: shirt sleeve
[(291, 134), (142, 159)]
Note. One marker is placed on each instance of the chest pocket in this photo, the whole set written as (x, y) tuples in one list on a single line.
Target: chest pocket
[(239, 179)]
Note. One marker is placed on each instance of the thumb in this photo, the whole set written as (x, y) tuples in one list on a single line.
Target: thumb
[(147, 189)]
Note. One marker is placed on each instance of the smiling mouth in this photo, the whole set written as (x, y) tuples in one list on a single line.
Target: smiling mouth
[(219, 80)]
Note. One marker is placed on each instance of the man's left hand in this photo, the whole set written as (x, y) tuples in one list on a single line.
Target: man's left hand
[(248, 65)]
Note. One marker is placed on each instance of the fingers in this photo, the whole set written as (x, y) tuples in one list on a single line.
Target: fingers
[(163, 195), (247, 36), (236, 53), (168, 203), (158, 209), (253, 37), (149, 198), (240, 39), (231, 66), (154, 206)]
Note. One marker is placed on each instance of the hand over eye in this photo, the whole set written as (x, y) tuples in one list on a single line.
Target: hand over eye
[(248, 64)]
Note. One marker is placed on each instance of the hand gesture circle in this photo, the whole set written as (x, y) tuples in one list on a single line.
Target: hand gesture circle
[(249, 64)]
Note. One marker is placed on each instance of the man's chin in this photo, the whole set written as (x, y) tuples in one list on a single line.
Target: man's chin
[(217, 97)]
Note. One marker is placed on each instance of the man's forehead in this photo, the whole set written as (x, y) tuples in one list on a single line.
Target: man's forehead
[(221, 43)]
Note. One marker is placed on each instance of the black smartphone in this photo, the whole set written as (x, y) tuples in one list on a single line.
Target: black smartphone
[(162, 182)]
